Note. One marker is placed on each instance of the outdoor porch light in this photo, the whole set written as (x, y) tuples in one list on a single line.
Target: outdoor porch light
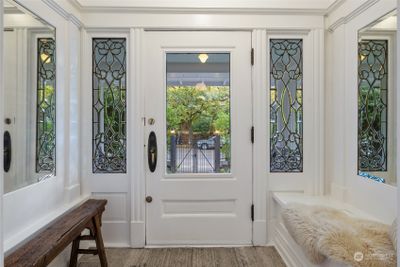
[(203, 58)]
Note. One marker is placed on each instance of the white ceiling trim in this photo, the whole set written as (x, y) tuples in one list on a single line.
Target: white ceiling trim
[(334, 6), (351, 15), (276, 7), (62, 12)]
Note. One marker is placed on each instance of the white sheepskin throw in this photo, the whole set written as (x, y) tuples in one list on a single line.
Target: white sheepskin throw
[(324, 232)]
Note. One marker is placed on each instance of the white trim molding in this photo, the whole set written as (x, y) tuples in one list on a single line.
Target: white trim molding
[(138, 186), (354, 13), (260, 159), (63, 13), (274, 7)]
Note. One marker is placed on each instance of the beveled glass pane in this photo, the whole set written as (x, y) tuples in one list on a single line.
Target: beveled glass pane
[(286, 105), (198, 113), (372, 105), (46, 106), (109, 105)]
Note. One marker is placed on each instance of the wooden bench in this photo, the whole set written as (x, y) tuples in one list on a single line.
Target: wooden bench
[(44, 246)]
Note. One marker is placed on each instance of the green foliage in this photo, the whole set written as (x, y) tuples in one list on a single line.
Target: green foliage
[(46, 114), (370, 107), (114, 120), (202, 124), (201, 109)]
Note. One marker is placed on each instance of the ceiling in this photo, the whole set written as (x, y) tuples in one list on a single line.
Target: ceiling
[(304, 5)]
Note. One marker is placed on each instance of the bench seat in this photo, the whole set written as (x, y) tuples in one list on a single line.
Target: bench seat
[(291, 252), (44, 246)]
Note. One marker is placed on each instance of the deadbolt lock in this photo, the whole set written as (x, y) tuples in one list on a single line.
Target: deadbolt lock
[(149, 199)]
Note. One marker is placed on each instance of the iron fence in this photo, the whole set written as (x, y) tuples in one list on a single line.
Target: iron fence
[(196, 157)]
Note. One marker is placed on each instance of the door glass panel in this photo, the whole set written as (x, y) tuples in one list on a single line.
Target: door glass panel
[(372, 105), (198, 113), (46, 106), (286, 105), (109, 105)]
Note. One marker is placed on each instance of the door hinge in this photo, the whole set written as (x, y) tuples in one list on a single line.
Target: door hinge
[(252, 212), (252, 134), (252, 57)]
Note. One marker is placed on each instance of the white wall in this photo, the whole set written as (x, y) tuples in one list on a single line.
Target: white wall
[(30, 208), (1, 132), (341, 110)]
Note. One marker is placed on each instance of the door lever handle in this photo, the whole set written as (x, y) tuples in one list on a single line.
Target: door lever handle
[(152, 151), (7, 149)]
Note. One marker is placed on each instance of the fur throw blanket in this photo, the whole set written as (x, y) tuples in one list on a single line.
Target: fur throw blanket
[(324, 232)]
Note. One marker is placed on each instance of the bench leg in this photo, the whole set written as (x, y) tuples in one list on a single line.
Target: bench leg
[(74, 252), (99, 242)]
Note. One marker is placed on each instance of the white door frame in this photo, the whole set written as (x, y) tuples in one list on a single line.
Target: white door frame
[(263, 213), (138, 188)]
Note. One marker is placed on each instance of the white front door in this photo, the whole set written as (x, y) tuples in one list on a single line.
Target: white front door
[(198, 108)]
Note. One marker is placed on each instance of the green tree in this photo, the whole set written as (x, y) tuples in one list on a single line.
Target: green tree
[(197, 107)]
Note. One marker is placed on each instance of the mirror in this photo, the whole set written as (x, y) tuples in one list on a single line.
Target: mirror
[(376, 100), (29, 136)]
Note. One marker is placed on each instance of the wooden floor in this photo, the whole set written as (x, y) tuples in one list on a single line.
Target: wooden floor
[(187, 257)]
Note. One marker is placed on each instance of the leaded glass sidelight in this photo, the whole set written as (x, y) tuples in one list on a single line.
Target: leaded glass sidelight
[(109, 105), (286, 105), (372, 105), (46, 105)]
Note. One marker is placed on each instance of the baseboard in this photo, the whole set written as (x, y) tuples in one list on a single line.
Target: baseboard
[(285, 249), (138, 230), (292, 253), (260, 233)]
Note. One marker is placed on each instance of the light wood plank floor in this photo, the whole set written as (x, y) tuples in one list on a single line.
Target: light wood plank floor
[(188, 257)]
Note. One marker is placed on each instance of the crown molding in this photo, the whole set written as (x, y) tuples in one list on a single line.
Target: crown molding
[(205, 10), (334, 6), (164, 10), (63, 13), (345, 19)]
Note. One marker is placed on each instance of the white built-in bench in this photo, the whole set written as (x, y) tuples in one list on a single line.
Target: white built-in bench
[(285, 244)]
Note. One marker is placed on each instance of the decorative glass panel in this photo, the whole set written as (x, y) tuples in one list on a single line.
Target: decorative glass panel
[(198, 113), (46, 106), (109, 105), (286, 105), (372, 105)]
